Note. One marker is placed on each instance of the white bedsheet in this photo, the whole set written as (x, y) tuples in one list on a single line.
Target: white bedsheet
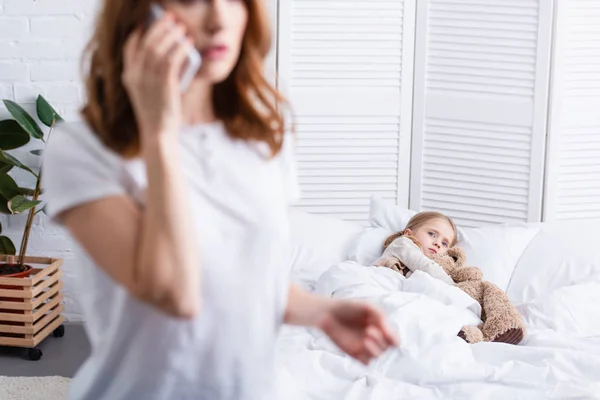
[(553, 362)]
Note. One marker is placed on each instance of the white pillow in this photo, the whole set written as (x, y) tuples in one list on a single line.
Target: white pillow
[(494, 249), (563, 254), (368, 245), (385, 214), (385, 218), (317, 243)]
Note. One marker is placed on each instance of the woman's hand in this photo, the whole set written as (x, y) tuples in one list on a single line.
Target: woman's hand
[(152, 65), (357, 328)]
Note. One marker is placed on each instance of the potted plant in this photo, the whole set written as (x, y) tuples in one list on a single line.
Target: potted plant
[(31, 301), (14, 199)]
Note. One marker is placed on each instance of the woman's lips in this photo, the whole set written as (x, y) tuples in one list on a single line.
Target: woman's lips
[(215, 52)]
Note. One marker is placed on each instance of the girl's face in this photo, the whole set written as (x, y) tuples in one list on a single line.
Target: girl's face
[(217, 28), (435, 236)]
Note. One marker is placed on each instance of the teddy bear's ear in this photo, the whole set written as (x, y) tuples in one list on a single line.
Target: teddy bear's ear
[(458, 255)]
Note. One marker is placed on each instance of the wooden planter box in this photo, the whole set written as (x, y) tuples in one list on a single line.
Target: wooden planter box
[(30, 308)]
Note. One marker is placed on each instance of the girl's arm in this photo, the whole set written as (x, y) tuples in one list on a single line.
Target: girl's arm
[(409, 254)]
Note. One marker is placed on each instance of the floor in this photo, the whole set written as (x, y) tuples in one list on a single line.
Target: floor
[(62, 356)]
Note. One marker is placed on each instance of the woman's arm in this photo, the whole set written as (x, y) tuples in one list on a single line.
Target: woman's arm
[(151, 251), (411, 255), (357, 328), (304, 308)]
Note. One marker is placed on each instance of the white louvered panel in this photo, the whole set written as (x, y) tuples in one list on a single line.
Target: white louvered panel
[(344, 160), (482, 47), (582, 52), (578, 173), (573, 178), (346, 43), (271, 60), (479, 120), (471, 172), (341, 64)]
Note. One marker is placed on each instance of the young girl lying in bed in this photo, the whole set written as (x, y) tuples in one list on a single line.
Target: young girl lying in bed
[(426, 234), (430, 233)]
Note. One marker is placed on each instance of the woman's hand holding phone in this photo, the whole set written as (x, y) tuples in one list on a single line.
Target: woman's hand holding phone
[(153, 60)]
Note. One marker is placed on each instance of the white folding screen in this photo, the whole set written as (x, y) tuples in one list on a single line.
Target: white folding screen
[(480, 98), (573, 178), (271, 61), (497, 122), (347, 67)]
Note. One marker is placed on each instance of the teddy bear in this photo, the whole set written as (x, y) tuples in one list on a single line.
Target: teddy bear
[(501, 320)]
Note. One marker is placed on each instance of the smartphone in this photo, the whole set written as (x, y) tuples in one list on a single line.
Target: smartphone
[(194, 60)]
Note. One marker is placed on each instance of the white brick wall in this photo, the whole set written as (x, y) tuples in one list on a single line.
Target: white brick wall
[(40, 45)]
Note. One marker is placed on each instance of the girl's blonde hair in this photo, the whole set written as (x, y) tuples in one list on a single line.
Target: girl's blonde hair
[(419, 220)]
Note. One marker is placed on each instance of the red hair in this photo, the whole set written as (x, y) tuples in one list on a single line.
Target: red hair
[(248, 105)]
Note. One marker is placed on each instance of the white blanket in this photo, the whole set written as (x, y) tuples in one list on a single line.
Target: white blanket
[(559, 358)]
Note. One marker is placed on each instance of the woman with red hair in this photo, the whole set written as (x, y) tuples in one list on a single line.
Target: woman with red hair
[(178, 203)]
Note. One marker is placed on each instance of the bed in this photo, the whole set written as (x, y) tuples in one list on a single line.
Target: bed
[(551, 271)]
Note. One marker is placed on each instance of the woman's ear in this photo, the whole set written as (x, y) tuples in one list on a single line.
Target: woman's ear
[(407, 232)]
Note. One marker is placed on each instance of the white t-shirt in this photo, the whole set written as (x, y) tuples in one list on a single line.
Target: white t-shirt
[(240, 207)]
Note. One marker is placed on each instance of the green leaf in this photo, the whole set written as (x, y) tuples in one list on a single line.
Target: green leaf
[(24, 119), (8, 187), (7, 246), (37, 152), (4, 205), (41, 210), (12, 135), (5, 168), (45, 112), (25, 191), (19, 204), (8, 159)]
